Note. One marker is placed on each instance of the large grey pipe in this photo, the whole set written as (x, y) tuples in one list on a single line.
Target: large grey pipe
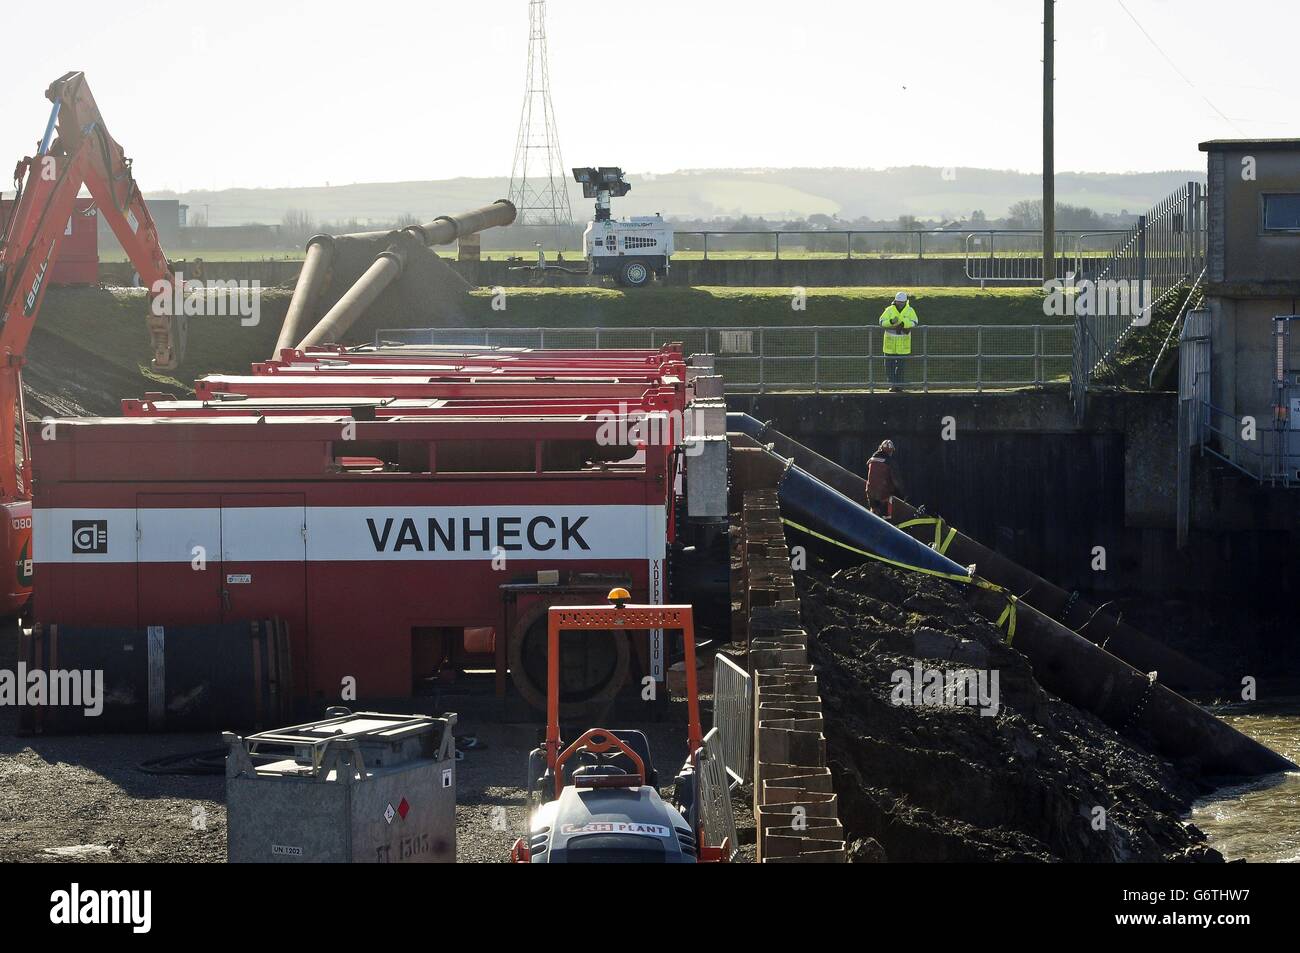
[(311, 282), (1065, 663), (383, 272), (386, 269), (445, 229), (1086, 675), (1118, 637)]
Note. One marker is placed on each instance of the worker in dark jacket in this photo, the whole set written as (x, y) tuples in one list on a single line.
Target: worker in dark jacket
[(883, 481)]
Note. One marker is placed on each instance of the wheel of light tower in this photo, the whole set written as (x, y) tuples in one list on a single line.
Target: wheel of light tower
[(634, 274)]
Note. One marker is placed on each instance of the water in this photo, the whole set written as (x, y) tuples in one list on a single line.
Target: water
[(1259, 820)]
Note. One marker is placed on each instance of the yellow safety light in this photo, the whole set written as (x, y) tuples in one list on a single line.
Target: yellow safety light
[(619, 596)]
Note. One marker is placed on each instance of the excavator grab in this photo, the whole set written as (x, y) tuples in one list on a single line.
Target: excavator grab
[(76, 150)]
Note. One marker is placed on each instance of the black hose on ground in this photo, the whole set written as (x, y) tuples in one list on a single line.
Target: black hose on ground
[(206, 761)]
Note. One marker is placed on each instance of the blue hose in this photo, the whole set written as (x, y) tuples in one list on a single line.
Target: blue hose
[(814, 507), (809, 505)]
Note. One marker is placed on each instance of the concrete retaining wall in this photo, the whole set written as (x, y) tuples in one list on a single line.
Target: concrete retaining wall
[(1017, 473), (759, 272)]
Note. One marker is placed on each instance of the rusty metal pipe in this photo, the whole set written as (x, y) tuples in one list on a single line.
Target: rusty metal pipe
[(383, 272), (387, 268), (445, 229), (1089, 677), (311, 282)]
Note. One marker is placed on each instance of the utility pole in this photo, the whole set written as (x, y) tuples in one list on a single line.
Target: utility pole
[(1049, 158)]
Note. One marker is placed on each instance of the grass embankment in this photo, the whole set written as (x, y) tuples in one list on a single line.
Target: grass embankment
[(667, 306), (1130, 367)]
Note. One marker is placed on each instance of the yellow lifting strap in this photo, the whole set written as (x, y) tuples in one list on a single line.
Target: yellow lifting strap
[(941, 542), (1008, 617), (952, 576)]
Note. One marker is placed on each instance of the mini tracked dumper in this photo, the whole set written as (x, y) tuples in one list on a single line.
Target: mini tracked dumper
[(597, 800)]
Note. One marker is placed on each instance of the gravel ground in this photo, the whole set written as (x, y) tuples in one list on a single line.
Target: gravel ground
[(74, 798)]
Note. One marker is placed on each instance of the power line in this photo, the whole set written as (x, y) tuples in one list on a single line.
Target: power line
[(1174, 67)]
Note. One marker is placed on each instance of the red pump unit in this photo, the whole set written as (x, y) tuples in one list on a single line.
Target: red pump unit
[(383, 517)]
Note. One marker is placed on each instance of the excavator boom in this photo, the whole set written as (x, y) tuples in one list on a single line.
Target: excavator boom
[(75, 151)]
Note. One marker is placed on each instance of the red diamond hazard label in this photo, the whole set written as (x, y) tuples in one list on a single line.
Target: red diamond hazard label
[(403, 808)]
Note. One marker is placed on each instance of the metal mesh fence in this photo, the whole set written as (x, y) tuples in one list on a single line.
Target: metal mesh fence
[(983, 246), (1157, 259), (816, 358)]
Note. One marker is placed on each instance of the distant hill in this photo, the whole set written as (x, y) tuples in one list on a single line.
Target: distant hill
[(923, 191)]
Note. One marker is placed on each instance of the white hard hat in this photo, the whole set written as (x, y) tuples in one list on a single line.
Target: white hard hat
[(901, 297)]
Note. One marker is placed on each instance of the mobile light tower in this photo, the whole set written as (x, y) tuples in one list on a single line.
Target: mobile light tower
[(633, 250)]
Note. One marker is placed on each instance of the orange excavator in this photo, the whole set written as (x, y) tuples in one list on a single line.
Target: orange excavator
[(75, 151)]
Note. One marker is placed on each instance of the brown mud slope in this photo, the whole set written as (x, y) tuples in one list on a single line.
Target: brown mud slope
[(936, 783), (62, 379)]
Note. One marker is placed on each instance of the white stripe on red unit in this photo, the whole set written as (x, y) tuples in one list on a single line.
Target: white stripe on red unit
[(346, 533)]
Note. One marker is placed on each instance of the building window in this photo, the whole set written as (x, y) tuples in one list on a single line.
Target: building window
[(1282, 212)]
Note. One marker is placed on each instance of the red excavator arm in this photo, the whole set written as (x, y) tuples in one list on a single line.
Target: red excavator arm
[(82, 153), (76, 150)]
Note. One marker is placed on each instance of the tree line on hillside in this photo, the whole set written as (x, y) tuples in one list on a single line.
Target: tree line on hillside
[(298, 225), (1027, 213)]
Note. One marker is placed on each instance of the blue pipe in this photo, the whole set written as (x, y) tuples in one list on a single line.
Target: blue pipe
[(817, 506), (810, 504), (744, 423)]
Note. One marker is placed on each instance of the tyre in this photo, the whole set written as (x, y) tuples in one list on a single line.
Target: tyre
[(634, 274), (593, 665)]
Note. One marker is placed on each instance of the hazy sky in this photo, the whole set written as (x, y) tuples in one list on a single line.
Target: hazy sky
[(282, 92)]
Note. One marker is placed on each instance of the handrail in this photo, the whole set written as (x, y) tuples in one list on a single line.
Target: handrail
[(915, 246), (820, 358), (1182, 313)]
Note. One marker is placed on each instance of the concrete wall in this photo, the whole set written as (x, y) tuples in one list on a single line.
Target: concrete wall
[(269, 272), (1243, 353), (1253, 277), (824, 272), (1022, 478), (786, 273), (1240, 250)]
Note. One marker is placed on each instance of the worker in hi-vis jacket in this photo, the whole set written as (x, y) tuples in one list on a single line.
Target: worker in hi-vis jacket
[(897, 319), (883, 481)]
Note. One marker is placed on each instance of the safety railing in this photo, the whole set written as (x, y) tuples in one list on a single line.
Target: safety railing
[(733, 717), (717, 820), (1264, 446), (1161, 257), (1270, 456), (1017, 256), (817, 359), (873, 243)]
